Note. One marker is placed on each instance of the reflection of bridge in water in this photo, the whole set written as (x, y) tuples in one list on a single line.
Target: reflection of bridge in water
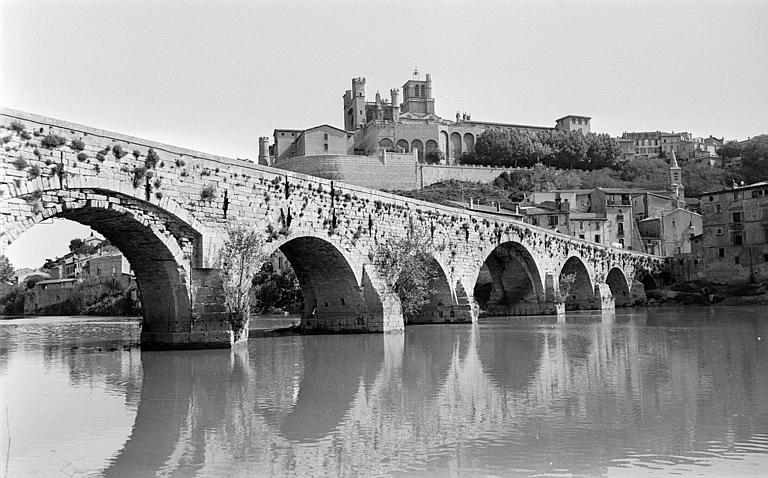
[(554, 395)]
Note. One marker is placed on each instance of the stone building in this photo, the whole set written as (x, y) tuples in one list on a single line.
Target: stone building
[(404, 124), (736, 232), (657, 144)]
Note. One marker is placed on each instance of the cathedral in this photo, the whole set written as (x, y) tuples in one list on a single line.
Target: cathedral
[(404, 122)]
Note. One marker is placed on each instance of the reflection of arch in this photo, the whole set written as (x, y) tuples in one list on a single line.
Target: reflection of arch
[(619, 287), (386, 143), (333, 375), (162, 269), (401, 143), (581, 291), (455, 146), (512, 368), (469, 143), (509, 283), (418, 146), (444, 144)]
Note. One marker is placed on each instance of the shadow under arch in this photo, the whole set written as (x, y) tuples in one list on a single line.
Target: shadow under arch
[(334, 296), (509, 282), (162, 269), (581, 292), (445, 303), (619, 286)]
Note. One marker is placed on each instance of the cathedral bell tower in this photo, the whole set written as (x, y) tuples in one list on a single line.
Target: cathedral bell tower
[(676, 181)]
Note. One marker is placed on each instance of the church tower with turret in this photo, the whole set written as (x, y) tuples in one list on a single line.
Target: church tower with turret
[(676, 181)]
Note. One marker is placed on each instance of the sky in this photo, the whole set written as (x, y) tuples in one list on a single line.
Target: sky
[(215, 76)]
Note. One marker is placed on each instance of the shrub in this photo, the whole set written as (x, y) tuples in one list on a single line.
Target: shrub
[(34, 171), (208, 193), (159, 195), (118, 151), (158, 182), (53, 141), (26, 134), (97, 168), (152, 159), (77, 144), (37, 153), (138, 175), (100, 156), (136, 153), (17, 126), (34, 196), (20, 163), (6, 139), (82, 157), (180, 163)]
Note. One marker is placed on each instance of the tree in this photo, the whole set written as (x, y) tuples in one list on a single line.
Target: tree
[(6, 271), (434, 157), (731, 149), (240, 258), (75, 245), (754, 159), (409, 269)]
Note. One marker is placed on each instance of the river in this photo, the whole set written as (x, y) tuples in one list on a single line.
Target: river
[(649, 392)]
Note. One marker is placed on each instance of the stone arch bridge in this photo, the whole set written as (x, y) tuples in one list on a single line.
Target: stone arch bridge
[(167, 210)]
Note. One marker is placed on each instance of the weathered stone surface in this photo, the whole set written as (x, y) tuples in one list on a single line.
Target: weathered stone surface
[(170, 231)]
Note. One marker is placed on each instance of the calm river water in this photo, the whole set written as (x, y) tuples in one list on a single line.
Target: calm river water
[(656, 392)]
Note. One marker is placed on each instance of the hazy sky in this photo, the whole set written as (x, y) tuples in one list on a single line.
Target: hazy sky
[(214, 76)]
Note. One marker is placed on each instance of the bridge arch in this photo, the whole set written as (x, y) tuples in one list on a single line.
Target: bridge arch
[(509, 282), (619, 286), (448, 302), (580, 291), (159, 249), (336, 296)]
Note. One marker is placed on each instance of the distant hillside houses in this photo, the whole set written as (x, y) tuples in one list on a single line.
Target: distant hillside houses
[(103, 262), (660, 144)]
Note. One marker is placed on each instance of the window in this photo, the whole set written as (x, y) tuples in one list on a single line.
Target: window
[(765, 257), (620, 217), (325, 146), (718, 208), (597, 238), (552, 221), (711, 198), (737, 216), (735, 196), (581, 226), (721, 252), (719, 231), (673, 223), (621, 241), (581, 236), (736, 260), (737, 238), (621, 228), (325, 136)]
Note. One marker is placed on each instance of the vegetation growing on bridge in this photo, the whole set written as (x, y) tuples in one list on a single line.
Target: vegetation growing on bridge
[(240, 258), (409, 269)]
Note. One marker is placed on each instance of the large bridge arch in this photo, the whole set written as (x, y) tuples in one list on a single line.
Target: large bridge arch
[(617, 282), (338, 293), (580, 290), (161, 251), (510, 282)]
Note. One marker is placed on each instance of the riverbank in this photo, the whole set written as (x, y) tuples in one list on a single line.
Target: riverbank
[(700, 292)]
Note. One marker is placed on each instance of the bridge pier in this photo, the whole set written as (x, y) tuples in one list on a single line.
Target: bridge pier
[(203, 325)]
